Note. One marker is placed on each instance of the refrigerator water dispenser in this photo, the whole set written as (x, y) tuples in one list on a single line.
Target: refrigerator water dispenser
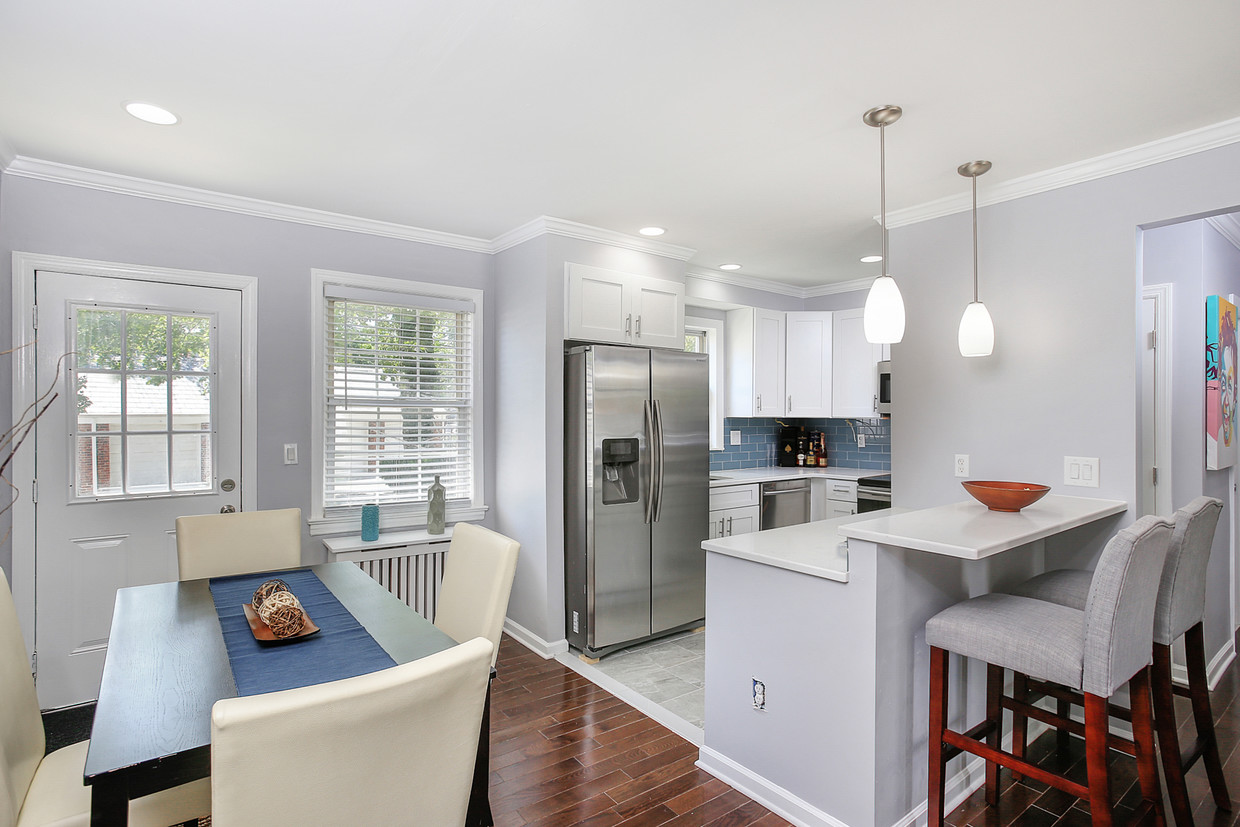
[(620, 471)]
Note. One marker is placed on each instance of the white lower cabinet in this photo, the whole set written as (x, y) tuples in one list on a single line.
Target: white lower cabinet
[(734, 509), (841, 498)]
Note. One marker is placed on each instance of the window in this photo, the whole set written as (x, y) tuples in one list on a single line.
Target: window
[(400, 382), (703, 335)]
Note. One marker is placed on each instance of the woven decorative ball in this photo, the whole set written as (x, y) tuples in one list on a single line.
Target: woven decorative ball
[(267, 590), (285, 620), (276, 600)]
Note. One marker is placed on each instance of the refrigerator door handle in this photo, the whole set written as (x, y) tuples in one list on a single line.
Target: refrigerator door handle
[(650, 441), (658, 453)]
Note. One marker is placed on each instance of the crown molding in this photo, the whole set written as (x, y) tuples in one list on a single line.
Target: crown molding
[(6, 155), (1228, 225), (191, 196), (546, 225), (840, 287), (1154, 152), (765, 285)]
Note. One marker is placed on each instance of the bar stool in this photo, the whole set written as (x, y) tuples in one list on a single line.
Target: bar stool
[(1179, 611), (1094, 650)]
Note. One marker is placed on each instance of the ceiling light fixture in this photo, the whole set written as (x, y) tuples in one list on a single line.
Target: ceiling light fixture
[(883, 318), (652, 231), (151, 113), (977, 331), (729, 267), (870, 259)]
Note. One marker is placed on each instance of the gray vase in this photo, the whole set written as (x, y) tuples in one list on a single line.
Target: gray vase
[(436, 508)]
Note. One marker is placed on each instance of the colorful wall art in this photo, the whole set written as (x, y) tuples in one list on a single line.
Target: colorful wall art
[(1220, 383)]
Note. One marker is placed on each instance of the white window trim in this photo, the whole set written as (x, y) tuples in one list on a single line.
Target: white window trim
[(391, 518), (718, 377)]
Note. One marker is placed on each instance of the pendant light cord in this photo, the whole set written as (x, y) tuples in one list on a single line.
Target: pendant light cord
[(975, 298), (882, 188)]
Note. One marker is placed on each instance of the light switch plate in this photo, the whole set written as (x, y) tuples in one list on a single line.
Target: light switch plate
[(1080, 471), (290, 453)]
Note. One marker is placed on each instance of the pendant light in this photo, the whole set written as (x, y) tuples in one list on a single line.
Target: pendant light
[(883, 318), (977, 331)]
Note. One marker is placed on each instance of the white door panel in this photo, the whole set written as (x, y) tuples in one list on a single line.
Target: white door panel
[(145, 427)]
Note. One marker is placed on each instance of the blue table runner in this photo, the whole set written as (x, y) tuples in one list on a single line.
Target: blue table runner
[(342, 649)]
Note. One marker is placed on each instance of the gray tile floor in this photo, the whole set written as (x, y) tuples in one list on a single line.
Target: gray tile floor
[(670, 671)]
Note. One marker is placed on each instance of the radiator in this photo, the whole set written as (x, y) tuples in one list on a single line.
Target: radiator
[(414, 578)]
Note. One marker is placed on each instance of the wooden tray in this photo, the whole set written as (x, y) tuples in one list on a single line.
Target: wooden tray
[(262, 632)]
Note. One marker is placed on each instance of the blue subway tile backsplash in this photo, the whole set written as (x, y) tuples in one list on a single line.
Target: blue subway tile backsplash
[(759, 438)]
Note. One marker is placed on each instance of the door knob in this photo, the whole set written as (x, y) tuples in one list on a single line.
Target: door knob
[(228, 509)]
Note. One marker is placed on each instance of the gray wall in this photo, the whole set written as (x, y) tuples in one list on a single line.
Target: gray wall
[(56, 219)]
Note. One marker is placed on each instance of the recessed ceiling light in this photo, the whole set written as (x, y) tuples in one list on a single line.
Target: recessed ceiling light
[(870, 259), (652, 231), (729, 267), (151, 113)]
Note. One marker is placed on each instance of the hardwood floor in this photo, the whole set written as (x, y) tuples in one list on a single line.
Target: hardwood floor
[(565, 752)]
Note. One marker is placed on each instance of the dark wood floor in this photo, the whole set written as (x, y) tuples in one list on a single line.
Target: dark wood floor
[(565, 752), (1032, 803)]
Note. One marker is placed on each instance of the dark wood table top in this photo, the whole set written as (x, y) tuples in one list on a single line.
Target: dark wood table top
[(166, 665)]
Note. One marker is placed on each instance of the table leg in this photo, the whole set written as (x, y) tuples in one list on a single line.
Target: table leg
[(109, 803), (478, 813)]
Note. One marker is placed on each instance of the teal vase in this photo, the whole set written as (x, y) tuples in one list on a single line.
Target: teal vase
[(370, 523)]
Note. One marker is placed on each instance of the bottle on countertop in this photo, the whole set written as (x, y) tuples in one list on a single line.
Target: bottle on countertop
[(801, 451), (811, 456)]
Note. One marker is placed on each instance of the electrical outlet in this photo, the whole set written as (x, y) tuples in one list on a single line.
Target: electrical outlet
[(736, 437), (860, 440), (759, 694), (962, 465)]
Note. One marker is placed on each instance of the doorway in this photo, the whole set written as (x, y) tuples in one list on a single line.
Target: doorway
[(151, 419)]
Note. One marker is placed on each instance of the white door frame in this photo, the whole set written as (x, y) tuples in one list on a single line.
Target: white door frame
[(1162, 296), (24, 392)]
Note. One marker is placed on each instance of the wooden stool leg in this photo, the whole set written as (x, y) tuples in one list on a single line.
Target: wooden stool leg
[(1203, 717), (1143, 740), (1020, 724), (938, 723), (1097, 724), (994, 713), (1168, 738)]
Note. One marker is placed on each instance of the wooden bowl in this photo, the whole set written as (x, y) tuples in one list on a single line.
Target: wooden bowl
[(1005, 496)]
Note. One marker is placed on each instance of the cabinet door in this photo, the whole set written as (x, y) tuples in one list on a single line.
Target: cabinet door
[(597, 308), (854, 373), (839, 509), (718, 524), (742, 520), (768, 363), (658, 313), (808, 382)]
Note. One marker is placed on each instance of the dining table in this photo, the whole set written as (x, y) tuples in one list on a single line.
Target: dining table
[(168, 662)]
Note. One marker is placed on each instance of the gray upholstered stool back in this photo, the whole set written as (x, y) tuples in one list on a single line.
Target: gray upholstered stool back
[(1119, 614), (1182, 594)]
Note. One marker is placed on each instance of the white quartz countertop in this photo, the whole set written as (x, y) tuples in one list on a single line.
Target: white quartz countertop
[(813, 548), (775, 473), (971, 531)]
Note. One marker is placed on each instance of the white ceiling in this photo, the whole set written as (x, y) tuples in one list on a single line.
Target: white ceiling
[(735, 125)]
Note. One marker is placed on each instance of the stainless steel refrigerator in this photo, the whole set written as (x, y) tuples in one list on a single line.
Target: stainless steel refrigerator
[(636, 478)]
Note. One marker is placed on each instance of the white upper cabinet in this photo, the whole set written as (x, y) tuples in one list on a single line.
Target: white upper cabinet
[(854, 373), (755, 347), (622, 308), (808, 382)]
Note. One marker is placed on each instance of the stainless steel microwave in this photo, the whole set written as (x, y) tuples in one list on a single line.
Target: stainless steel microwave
[(884, 388)]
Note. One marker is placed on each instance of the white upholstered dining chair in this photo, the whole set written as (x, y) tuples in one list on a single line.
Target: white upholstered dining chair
[(38, 790), (392, 747), (477, 580), (217, 545)]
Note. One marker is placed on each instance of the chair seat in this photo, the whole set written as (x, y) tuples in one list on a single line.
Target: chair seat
[(1031, 636), (1067, 587), (58, 798)]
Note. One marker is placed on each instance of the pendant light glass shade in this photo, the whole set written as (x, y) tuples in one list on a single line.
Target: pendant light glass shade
[(977, 331), (883, 318)]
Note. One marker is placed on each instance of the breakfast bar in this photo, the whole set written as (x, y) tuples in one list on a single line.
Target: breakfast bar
[(822, 626)]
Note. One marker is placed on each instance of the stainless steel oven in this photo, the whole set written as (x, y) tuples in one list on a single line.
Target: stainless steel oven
[(873, 493)]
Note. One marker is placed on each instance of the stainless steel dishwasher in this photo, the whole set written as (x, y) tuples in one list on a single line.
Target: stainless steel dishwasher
[(785, 503)]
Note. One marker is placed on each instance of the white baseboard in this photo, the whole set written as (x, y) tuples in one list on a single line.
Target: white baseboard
[(543, 648), (1214, 669)]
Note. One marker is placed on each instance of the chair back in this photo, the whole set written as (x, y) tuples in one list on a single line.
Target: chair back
[(1119, 613), (21, 727), (217, 545), (477, 580), (392, 747), (1182, 595)]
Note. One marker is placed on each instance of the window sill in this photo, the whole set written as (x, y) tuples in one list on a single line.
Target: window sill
[(391, 521)]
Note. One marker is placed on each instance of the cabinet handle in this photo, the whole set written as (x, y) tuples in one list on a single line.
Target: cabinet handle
[(789, 402), (628, 325), (721, 532), (759, 402), (729, 526), (639, 327), (876, 402)]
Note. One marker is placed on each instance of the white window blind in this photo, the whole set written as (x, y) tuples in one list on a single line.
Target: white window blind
[(398, 381)]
